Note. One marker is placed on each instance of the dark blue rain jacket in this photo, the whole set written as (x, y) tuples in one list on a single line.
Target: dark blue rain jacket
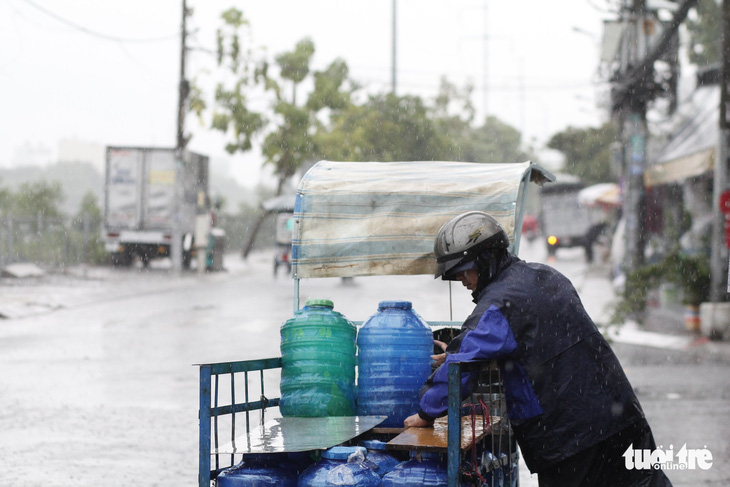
[(565, 388)]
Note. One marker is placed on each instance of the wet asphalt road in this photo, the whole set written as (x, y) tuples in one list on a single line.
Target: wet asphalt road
[(99, 385)]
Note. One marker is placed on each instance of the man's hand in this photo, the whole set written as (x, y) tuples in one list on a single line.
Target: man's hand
[(440, 358), (416, 421)]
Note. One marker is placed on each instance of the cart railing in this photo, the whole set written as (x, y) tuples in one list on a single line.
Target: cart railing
[(212, 394), (499, 442), (218, 386)]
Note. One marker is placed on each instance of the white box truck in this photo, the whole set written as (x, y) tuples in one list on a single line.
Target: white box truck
[(151, 194), (564, 222)]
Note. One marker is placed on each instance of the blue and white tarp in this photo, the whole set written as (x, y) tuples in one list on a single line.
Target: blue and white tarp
[(378, 218)]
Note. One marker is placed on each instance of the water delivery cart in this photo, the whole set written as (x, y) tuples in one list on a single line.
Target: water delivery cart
[(364, 219)]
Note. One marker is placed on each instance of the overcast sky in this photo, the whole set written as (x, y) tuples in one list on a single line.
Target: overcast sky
[(107, 72)]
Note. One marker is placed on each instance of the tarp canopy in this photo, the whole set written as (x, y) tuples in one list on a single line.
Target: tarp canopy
[(691, 150), (378, 218)]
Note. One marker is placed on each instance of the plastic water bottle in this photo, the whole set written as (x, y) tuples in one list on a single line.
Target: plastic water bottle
[(382, 462), (258, 470), (394, 360), (318, 353), (427, 469), (340, 466)]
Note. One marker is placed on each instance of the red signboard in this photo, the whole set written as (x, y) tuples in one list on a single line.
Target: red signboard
[(725, 209)]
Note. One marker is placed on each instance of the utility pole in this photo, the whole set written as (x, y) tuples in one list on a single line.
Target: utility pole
[(184, 86), (176, 250), (393, 66), (633, 89), (634, 130)]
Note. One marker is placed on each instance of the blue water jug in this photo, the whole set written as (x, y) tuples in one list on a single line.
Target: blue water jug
[(382, 462), (259, 470), (394, 360), (430, 470), (318, 355), (509, 471), (340, 465), (491, 469)]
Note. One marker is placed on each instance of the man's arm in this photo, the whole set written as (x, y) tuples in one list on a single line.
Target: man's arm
[(491, 339)]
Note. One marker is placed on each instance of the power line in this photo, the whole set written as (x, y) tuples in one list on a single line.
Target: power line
[(94, 33)]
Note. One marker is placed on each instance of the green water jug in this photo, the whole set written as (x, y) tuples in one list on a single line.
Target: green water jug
[(318, 353)]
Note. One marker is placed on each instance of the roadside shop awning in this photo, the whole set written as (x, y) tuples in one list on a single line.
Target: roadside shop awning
[(380, 218), (691, 151), (603, 195)]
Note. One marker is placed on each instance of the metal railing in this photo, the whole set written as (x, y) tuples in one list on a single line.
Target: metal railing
[(218, 401), (494, 455), (50, 240)]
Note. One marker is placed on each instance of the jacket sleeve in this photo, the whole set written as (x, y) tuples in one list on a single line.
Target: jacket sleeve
[(491, 339)]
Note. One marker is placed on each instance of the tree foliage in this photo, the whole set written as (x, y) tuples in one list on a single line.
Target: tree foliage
[(326, 123), (384, 128), (40, 197), (705, 32), (587, 152), (89, 212), (289, 125), (494, 141)]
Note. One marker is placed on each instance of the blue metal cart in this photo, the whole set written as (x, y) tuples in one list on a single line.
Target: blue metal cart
[(363, 219)]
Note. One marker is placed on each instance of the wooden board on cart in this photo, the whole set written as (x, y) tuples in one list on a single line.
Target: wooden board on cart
[(436, 438)]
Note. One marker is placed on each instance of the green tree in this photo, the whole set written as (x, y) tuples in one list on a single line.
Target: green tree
[(587, 152), (37, 198), (385, 128), (87, 230), (89, 212), (398, 128), (495, 141), (705, 34), (5, 199), (288, 135), (231, 113)]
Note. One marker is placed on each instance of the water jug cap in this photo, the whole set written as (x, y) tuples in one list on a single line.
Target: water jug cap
[(374, 445), (320, 302), (342, 452), (395, 304)]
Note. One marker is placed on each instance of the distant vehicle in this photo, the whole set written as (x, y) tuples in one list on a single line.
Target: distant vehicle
[(282, 252), (140, 192), (530, 227), (283, 205), (564, 222)]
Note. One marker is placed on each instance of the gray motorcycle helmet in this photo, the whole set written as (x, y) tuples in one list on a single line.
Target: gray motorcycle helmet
[(461, 239)]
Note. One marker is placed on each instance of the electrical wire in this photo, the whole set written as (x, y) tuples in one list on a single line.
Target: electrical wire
[(94, 33)]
